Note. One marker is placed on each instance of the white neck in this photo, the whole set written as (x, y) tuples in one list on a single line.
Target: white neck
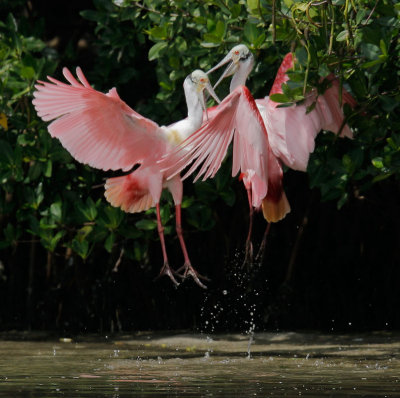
[(240, 76), (195, 110)]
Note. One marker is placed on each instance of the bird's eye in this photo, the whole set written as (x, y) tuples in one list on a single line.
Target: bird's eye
[(237, 52), (202, 80)]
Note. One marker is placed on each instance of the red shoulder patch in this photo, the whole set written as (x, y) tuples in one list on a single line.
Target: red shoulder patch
[(281, 76)]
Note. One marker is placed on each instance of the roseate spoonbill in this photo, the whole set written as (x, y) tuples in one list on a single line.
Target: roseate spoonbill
[(237, 118), (290, 131), (104, 132)]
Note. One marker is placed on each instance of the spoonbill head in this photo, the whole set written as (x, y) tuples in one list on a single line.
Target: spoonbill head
[(240, 62)]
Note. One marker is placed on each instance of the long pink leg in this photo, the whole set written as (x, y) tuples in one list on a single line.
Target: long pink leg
[(187, 266), (165, 270), (261, 250), (248, 259)]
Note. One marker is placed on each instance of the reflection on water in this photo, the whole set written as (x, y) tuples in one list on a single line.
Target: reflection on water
[(280, 365)]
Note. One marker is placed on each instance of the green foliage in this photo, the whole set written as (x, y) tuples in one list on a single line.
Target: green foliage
[(355, 40), (150, 46), (46, 195)]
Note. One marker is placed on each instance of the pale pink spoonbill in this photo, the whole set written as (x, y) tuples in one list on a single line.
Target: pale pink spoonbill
[(104, 132)]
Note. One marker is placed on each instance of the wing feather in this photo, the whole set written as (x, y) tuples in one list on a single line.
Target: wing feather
[(237, 118), (292, 130), (97, 129)]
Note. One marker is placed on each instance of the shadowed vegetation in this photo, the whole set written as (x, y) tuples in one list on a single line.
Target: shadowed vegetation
[(70, 261)]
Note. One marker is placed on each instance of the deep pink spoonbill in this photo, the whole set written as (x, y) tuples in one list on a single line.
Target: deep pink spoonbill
[(290, 131), (237, 118), (104, 132)]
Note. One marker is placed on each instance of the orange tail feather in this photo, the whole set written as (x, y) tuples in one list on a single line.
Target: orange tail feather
[(275, 207)]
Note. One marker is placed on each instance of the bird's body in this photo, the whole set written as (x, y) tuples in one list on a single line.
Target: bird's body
[(104, 132), (237, 119), (287, 134)]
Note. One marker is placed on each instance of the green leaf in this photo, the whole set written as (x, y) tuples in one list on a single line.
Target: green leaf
[(343, 35), (84, 232), (343, 199), (361, 14), (369, 50), (109, 243), (89, 211), (56, 211), (91, 15), (155, 51), (382, 46), (252, 4), (112, 217), (378, 162), (27, 72), (146, 224), (209, 44), (280, 98), (302, 56), (251, 32), (181, 44), (220, 29), (81, 248), (49, 169), (212, 38), (236, 9), (158, 32)]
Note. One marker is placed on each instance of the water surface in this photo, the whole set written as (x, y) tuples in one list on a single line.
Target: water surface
[(188, 365)]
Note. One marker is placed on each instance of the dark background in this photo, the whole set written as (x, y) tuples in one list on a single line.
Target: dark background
[(323, 268)]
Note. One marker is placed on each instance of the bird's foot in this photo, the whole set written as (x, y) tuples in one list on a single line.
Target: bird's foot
[(248, 257), (188, 270), (166, 270)]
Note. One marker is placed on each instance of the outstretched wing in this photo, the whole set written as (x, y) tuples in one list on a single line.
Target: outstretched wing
[(97, 129), (292, 130), (237, 118), (330, 104)]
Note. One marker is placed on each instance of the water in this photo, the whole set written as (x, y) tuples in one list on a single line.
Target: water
[(186, 365)]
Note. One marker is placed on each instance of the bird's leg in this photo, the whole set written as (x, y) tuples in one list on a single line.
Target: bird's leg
[(261, 250), (165, 270), (187, 266), (248, 259)]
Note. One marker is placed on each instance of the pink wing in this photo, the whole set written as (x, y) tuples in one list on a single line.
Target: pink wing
[(97, 129), (290, 134), (292, 130), (329, 103), (236, 118)]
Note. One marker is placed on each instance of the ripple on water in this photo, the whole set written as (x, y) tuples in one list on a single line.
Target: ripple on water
[(281, 364)]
